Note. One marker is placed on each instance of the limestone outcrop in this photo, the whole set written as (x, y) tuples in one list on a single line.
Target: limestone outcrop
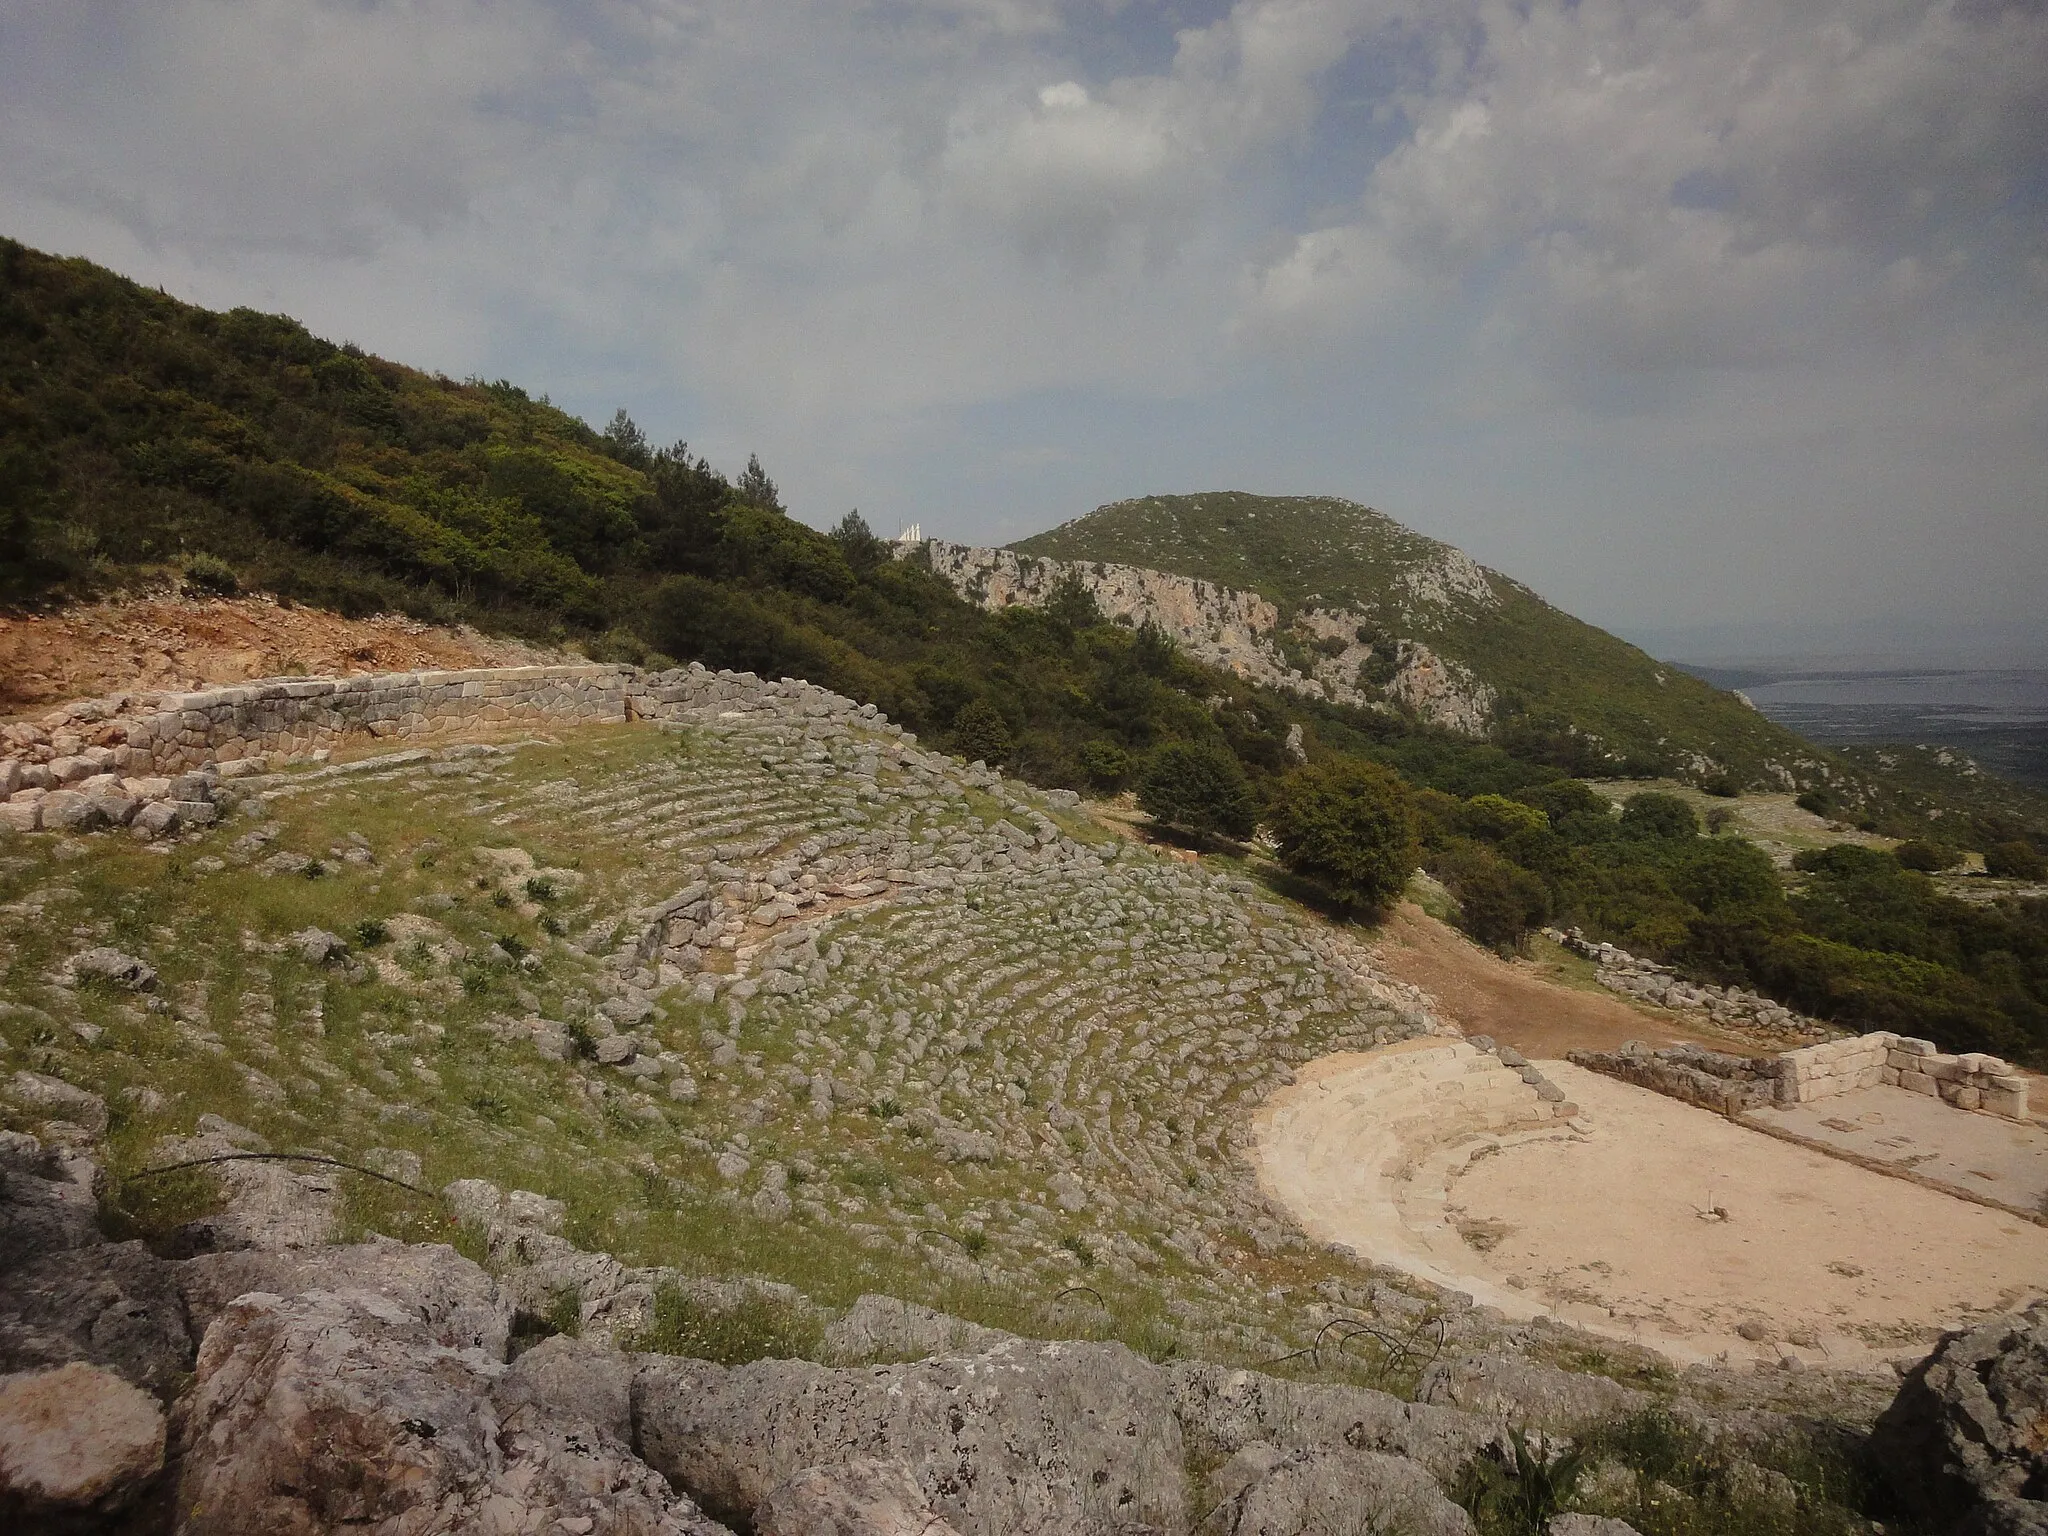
[(384, 1387), (1965, 1444), (1236, 630)]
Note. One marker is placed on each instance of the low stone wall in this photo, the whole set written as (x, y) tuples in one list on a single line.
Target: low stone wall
[(1650, 982), (153, 762), (1731, 1084), (1971, 1080), (1836, 1066), (1968, 1081), (295, 717), (1713, 1080)]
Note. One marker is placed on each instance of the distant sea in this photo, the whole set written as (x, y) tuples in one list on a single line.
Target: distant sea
[(1997, 715)]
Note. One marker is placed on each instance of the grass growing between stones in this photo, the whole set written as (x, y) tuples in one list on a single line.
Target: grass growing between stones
[(1666, 1477), (940, 1047), (757, 1328)]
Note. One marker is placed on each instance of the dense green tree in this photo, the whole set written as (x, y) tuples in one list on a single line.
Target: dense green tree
[(1072, 604), (980, 734), (858, 544), (1498, 901), (1198, 788), (624, 441), (755, 488), (1347, 826), (1153, 650), (2015, 860)]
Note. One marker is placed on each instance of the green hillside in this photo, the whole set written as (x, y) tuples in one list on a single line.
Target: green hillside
[(143, 440), (1567, 691)]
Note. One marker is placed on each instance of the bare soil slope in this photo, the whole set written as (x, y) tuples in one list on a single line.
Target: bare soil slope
[(1515, 1001), (177, 643)]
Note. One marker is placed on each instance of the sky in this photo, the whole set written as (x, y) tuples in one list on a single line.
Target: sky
[(1705, 318)]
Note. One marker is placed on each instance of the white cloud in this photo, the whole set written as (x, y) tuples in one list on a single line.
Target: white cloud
[(895, 245), (1644, 186)]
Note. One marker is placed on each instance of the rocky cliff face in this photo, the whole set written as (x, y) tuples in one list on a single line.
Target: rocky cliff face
[(1242, 631)]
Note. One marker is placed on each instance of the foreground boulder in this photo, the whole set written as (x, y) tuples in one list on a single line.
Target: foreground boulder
[(76, 1443), (861, 1498), (1029, 1439), (1965, 1443), (343, 1411), (66, 1294), (1269, 1492), (1222, 1411)]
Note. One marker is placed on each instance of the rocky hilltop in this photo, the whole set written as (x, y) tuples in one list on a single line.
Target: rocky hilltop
[(1364, 604), (1231, 628)]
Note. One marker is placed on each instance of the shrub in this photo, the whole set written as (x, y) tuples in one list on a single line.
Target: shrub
[(210, 576), (1656, 814), (1818, 801), (1518, 1499), (371, 932), (1106, 764), (1720, 819), (1199, 789), (1347, 826), (2014, 861), (1928, 858), (1497, 818)]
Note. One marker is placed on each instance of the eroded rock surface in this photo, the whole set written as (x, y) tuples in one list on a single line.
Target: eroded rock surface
[(1966, 1440), (75, 1442), (858, 1498), (342, 1410), (1030, 1437)]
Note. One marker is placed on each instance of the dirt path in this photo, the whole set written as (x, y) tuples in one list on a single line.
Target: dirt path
[(177, 644), (1516, 1002)]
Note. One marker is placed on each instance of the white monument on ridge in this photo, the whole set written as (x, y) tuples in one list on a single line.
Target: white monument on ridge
[(914, 534)]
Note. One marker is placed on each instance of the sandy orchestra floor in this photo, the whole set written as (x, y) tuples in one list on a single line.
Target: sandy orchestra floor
[(1651, 1220)]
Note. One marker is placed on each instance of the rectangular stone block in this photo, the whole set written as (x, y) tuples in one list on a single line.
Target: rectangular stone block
[(22, 816), (1890, 1077), (1919, 1082), (1914, 1047), (1966, 1097), (2012, 1103)]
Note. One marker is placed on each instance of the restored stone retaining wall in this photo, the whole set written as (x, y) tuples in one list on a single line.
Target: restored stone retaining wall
[(1968, 1081), (1732, 1084), (1650, 982)]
